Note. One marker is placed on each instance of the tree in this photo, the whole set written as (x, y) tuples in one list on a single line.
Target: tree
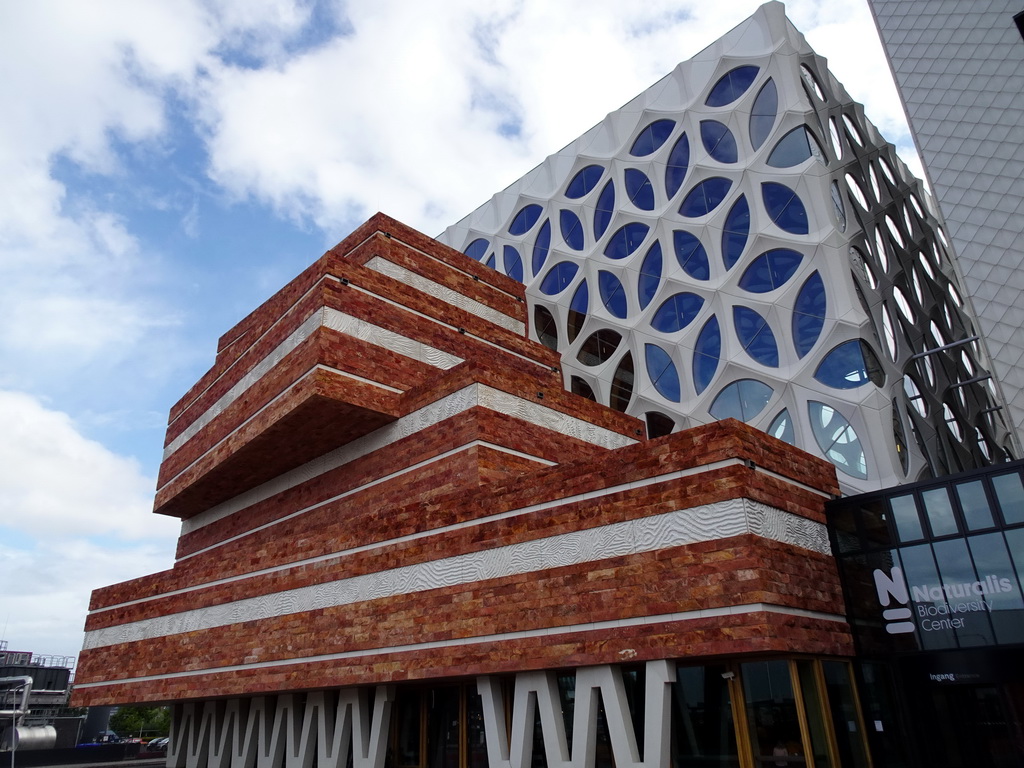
[(138, 721)]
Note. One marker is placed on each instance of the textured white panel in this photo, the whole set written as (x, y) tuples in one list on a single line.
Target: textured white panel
[(867, 434), (704, 523), (445, 294)]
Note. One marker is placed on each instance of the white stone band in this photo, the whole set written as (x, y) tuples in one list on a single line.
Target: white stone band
[(720, 520)]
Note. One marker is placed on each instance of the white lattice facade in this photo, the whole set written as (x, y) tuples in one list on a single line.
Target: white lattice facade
[(740, 241)]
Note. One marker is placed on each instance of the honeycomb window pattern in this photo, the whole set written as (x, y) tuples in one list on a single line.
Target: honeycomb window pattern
[(755, 250)]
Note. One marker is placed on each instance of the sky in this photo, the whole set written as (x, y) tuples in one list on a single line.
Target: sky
[(167, 165)]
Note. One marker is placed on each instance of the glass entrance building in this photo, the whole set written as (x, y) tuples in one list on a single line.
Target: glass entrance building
[(933, 577)]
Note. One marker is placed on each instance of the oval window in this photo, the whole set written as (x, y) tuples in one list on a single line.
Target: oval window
[(809, 314), (743, 400), (626, 240), (782, 427), (599, 347), (541, 246), (572, 229), (755, 336), (560, 275), (677, 312), (706, 354), (579, 305), (850, 365), (650, 275), (605, 209), (731, 86), (785, 208), (705, 197), (837, 439), (622, 384), (792, 149), (652, 137), (547, 330), (524, 220), (770, 270), (662, 371), (477, 249), (678, 162), (762, 116), (691, 255), (513, 263), (718, 141), (612, 294), (584, 181), (639, 189), (736, 232)]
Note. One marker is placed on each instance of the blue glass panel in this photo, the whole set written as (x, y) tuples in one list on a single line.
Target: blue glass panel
[(477, 249), (650, 275), (762, 116), (837, 439), (580, 299), (513, 263), (844, 367), (578, 307), (770, 270), (743, 400), (792, 149), (677, 312), (691, 255), (491, 261), (705, 197), (718, 141), (678, 162), (785, 208), (572, 229), (663, 372), (732, 85), (652, 137), (626, 240), (558, 278), (737, 229), (524, 220), (541, 246), (782, 427), (612, 293), (584, 181), (706, 353), (605, 209), (809, 314), (639, 189), (756, 336)]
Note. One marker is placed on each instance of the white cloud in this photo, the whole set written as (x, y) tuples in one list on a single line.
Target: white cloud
[(73, 517), (55, 480), (425, 114)]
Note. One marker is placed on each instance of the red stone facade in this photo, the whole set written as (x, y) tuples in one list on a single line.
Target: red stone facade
[(383, 479)]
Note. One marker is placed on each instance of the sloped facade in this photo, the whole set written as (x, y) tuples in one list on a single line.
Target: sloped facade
[(740, 241), (395, 517)]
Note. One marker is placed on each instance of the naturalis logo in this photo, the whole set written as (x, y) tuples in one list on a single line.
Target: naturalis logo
[(938, 606)]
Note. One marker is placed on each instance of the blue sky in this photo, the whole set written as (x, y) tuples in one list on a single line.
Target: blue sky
[(167, 165)]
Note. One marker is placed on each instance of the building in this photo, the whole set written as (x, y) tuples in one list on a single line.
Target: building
[(932, 574), (561, 499), (390, 503), (47, 721), (960, 72), (739, 241)]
